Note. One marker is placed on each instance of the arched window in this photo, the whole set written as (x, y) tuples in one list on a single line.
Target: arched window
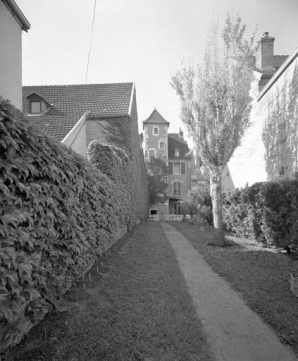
[(177, 189)]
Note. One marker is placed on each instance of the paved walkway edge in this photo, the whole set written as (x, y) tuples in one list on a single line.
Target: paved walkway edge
[(234, 331)]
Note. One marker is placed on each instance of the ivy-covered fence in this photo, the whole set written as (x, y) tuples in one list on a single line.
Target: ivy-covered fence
[(267, 212), (57, 214)]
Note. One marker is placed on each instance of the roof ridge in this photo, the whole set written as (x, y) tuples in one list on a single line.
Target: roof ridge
[(70, 85)]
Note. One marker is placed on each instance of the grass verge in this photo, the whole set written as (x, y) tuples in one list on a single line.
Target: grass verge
[(261, 276), (133, 306)]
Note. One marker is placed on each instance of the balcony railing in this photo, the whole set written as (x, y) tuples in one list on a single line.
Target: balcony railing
[(153, 217), (173, 217)]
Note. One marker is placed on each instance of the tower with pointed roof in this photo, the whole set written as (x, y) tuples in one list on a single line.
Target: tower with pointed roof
[(173, 150), (156, 137)]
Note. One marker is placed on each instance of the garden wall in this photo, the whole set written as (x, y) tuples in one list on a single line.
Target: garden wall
[(58, 213)]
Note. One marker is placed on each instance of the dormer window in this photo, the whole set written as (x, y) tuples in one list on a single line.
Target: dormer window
[(176, 152), (37, 104), (35, 107)]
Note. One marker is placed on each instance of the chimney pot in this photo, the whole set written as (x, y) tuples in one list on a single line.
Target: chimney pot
[(266, 34), (180, 133)]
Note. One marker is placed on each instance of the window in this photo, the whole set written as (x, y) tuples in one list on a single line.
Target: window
[(151, 153), (162, 145), (155, 130), (35, 107), (176, 168), (165, 179), (176, 152), (194, 184), (177, 189)]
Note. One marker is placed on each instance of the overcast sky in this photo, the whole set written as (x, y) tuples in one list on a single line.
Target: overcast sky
[(140, 41)]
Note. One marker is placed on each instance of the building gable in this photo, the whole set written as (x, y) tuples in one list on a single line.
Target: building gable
[(66, 104)]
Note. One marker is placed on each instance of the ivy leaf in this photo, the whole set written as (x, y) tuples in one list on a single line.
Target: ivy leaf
[(25, 269), (14, 218), (3, 293)]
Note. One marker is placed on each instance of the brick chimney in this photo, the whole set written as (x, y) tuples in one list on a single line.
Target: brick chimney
[(180, 133), (265, 53)]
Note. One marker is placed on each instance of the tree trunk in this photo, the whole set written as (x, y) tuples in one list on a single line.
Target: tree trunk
[(215, 190)]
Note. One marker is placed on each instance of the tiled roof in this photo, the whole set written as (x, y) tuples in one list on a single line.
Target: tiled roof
[(155, 118), (176, 142), (70, 102), (57, 126), (279, 60)]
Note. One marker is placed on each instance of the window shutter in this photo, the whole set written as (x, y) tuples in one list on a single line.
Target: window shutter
[(170, 168), (182, 168)]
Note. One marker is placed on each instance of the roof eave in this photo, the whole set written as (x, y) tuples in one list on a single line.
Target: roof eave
[(17, 13), (278, 73)]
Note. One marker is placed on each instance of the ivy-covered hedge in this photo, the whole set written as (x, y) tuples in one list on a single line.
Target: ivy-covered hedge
[(57, 214), (115, 163), (265, 211)]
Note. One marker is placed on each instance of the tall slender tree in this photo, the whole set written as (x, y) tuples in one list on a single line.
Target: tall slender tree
[(215, 102), (157, 171)]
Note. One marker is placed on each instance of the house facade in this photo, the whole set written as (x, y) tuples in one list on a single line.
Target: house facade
[(184, 173), (78, 114), (269, 148), (12, 23)]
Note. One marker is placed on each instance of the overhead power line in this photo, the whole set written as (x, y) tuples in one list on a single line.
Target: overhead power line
[(90, 45)]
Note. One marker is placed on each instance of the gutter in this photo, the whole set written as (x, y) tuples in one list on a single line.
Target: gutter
[(278, 74), (17, 13)]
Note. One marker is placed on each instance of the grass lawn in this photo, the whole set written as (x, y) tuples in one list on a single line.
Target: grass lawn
[(133, 306), (260, 275)]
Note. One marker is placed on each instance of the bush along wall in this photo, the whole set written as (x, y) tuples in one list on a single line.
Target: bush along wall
[(115, 163), (58, 213), (265, 211)]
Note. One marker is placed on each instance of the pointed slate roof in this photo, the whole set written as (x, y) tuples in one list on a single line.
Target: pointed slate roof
[(68, 103), (155, 118)]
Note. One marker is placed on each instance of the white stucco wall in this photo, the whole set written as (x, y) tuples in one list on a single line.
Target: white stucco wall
[(275, 114), (10, 57), (247, 165), (76, 138)]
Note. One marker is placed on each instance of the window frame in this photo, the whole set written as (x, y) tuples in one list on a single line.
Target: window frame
[(164, 145), (176, 188), (177, 164), (40, 106), (150, 152), (155, 128)]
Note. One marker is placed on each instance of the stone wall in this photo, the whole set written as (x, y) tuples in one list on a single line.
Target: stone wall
[(140, 181)]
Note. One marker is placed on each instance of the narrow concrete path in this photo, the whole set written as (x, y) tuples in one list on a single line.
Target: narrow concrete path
[(235, 332)]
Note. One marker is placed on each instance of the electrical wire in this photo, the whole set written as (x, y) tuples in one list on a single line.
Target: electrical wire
[(90, 41)]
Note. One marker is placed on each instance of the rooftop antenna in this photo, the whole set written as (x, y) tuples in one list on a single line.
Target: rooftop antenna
[(90, 41)]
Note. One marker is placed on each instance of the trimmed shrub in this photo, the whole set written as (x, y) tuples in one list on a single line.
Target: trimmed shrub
[(58, 213), (265, 211)]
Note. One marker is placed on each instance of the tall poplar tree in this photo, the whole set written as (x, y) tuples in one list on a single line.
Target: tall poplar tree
[(215, 102)]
